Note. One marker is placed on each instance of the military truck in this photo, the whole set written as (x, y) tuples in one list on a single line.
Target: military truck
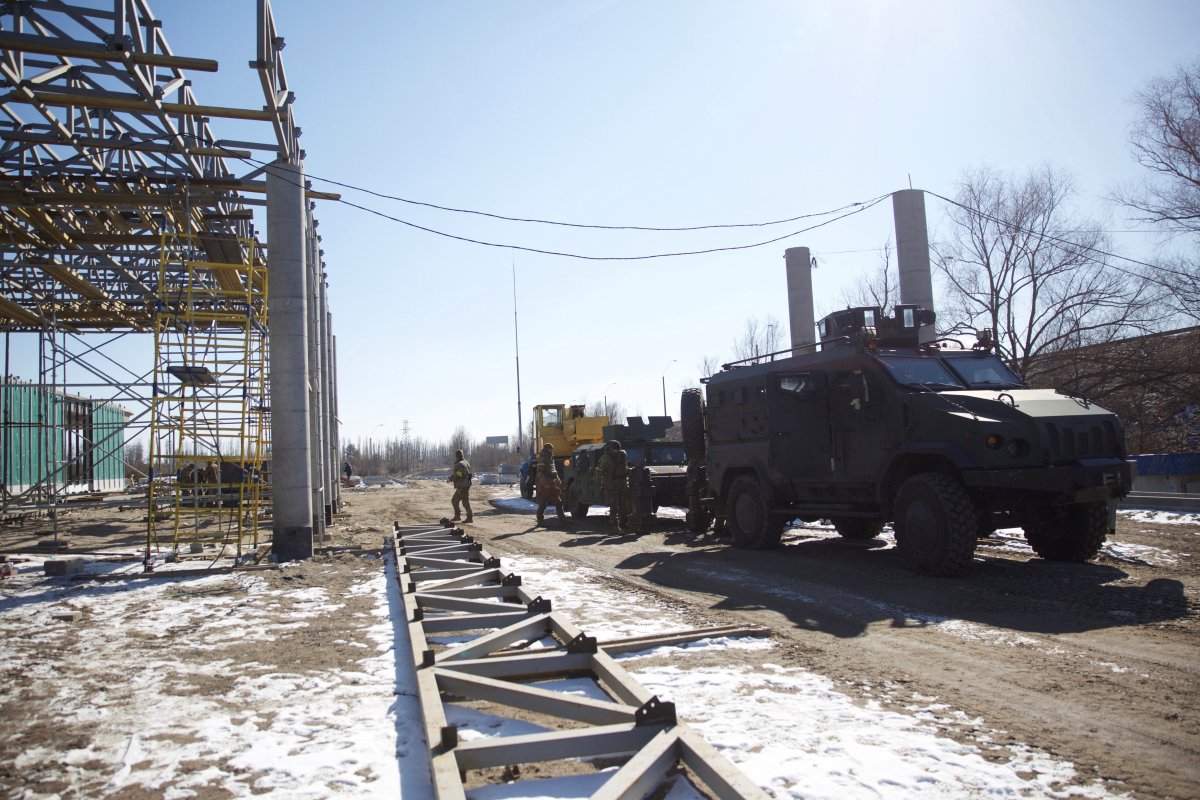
[(940, 439), (657, 473), (566, 428)]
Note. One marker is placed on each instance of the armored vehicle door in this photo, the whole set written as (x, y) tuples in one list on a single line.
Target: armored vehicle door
[(799, 425), (862, 429)]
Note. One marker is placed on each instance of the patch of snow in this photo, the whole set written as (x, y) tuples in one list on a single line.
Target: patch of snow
[(1162, 518)]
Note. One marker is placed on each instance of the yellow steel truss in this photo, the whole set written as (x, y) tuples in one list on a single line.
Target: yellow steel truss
[(210, 422)]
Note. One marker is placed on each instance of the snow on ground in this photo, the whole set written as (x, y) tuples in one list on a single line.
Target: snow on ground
[(1161, 517), (789, 730), (336, 733), (357, 733)]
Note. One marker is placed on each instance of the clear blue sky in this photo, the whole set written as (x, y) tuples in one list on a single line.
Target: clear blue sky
[(661, 113)]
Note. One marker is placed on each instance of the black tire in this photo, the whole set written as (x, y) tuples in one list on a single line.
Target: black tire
[(936, 525), (748, 512), (857, 528), (1073, 533), (527, 491), (691, 421), (698, 521)]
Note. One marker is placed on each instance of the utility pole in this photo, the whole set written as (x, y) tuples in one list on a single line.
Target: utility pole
[(517, 350)]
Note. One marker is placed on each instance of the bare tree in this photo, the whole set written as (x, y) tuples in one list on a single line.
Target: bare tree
[(615, 410), (1166, 141), (758, 339), (880, 288), (709, 366), (461, 440), (1020, 264)]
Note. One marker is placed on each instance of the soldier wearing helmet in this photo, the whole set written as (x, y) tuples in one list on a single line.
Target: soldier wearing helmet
[(613, 470), (461, 476), (549, 485)]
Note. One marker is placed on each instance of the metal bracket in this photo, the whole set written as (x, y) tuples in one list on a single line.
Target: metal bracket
[(582, 644), (655, 712), (538, 605), (511, 579)]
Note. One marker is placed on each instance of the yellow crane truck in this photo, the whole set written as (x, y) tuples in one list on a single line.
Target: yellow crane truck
[(566, 428)]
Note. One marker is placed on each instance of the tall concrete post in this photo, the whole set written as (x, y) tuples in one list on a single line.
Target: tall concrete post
[(912, 252), (798, 262), (336, 433), (316, 394), (335, 462), (291, 470)]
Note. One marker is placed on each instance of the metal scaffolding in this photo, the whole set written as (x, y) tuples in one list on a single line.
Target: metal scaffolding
[(123, 213), (209, 413)]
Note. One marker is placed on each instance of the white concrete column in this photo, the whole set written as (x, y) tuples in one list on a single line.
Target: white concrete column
[(798, 262), (912, 252), (315, 387), (287, 301)]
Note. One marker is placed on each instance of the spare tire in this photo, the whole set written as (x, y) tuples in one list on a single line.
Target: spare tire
[(691, 421)]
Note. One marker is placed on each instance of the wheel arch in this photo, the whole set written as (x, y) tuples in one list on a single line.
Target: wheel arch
[(907, 464)]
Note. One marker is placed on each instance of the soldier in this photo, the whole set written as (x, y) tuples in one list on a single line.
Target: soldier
[(613, 470), (461, 476), (549, 485)]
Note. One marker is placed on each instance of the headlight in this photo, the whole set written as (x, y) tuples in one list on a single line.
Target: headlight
[(1017, 448), (995, 441)]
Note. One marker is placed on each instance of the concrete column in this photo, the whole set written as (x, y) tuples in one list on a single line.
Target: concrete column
[(336, 432), (291, 469), (315, 323), (912, 252), (331, 440), (798, 263)]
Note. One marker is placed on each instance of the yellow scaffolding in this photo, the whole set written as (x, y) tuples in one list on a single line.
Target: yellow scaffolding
[(210, 420)]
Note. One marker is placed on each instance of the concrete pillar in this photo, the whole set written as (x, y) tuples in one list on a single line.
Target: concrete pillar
[(798, 262), (331, 443), (335, 432), (316, 389), (912, 252), (287, 301)]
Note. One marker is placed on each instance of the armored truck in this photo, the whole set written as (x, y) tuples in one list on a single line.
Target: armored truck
[(657, 473), (940, 439)]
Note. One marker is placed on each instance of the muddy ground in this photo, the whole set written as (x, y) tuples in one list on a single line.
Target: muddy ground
[(1096, 664)]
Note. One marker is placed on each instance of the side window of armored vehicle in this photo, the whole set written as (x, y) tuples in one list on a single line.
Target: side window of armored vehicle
[(799, 385)]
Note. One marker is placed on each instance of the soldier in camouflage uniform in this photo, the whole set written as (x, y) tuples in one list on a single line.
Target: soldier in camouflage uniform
[(549, 485), (460, 476), (613, 470)]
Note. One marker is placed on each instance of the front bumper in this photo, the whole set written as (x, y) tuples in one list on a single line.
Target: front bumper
[(1087, 480)]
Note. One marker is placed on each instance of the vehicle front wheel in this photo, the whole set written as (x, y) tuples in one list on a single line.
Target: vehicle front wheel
[(936, 524), (748, 513), (1071, 533), (857, 528)]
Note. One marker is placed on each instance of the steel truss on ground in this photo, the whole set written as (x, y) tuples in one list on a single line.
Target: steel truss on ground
[(450, 585), (105, 153)]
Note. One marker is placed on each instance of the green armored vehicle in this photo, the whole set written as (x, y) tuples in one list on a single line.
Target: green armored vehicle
[(657, 473), (944, 442)]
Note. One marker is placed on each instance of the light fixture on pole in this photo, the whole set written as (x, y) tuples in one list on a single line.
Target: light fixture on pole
[(664, 384), (606, 388)]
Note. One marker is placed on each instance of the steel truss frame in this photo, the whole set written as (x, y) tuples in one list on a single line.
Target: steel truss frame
[(105, 150), (450, 584)]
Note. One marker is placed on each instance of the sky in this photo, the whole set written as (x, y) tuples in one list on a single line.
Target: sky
[(666, 114)]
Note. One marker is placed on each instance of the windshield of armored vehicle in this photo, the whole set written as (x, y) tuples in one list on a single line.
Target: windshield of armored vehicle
[(984, 371), (656, 454), (923, 373)]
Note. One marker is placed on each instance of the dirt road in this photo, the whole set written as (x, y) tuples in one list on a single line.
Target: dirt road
[(1095, 663)]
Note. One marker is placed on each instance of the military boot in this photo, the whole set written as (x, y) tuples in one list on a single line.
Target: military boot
[(468, 520)]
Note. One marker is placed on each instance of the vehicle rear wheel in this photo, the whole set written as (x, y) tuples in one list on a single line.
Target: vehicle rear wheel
[(1071, 533), (527, 491), (577, 509), (691, 421), (858, 528), (936, 525), (750, 520)]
